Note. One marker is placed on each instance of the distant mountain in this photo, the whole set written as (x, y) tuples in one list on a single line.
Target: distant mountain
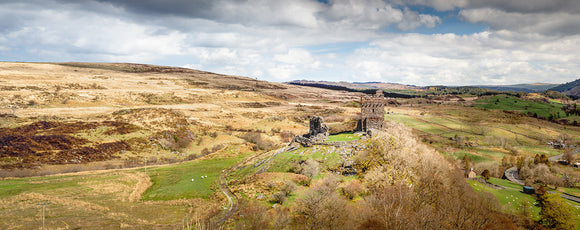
[(570, 88), (528, 88), (355, 85)]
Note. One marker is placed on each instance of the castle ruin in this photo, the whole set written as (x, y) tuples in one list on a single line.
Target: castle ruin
[(372, 110)]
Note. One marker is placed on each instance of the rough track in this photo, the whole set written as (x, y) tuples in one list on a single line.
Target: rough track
[(232, 199)]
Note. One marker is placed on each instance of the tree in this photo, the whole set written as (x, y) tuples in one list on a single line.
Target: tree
[(322, 208), (569, 157), (251, 215), (540, 192), (485, 174), (556, 213), (466, 164)]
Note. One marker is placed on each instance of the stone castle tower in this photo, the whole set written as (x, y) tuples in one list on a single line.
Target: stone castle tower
[(372, 110)]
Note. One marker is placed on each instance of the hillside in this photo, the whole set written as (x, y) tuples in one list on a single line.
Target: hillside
[(570, 88), (112, 145), (59, 106), (356, 85), (528, 88)]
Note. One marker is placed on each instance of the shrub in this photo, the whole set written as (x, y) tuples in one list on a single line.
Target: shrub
[(279, 197), (288, 187), (286, 136), (256, 138), (192, 157), (485, 174), (217, 148), (352, 189)]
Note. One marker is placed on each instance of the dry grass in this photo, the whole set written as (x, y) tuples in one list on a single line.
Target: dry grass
[(141, 186)]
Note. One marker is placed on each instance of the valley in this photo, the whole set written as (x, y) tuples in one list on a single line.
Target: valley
[(142, 146)]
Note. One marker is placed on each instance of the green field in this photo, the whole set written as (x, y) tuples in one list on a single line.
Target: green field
[(343, 137), (511, 103), (100, 200), (460, 154), (175, 182), (283, 162), (511, 198), (420, 125)]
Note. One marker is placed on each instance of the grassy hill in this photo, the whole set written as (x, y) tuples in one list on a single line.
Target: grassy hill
[(529, 88), (570, 88), (528, 107), (185, 136)]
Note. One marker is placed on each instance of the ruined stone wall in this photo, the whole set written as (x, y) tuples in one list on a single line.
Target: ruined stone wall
[(372, 111)]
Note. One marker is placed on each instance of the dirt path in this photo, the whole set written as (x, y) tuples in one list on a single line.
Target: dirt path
[(232, 199)]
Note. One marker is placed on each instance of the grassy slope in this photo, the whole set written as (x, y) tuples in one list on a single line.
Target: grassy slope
[(88, 200), (343, 137), (511, 103), (175, 181), (511, 199), (442, 123)]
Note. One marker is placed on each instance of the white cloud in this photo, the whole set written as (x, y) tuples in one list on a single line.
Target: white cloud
[(272, 40), (413, 20), (469, 59), (548, 24), (367, 14), (440, 5), (298, 57)]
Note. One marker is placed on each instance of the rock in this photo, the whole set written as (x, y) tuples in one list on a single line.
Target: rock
[(304, 141), (260, 196)]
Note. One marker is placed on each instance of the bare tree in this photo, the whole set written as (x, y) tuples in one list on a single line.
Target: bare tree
[(569, 157)]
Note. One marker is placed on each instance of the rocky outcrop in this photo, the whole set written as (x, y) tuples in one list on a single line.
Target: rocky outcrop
[(318, 133)]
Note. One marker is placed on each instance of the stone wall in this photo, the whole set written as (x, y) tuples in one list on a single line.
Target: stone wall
[(372, 112)]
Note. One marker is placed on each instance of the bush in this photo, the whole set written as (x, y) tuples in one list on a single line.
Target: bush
[(256, 138), (485, 174), (279, 197), (217, 148), (192, 157), (288, 187), (352, 189), (286, 136), (556, 213)]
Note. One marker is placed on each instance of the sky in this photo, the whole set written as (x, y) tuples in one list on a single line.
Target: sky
[(417, 42)]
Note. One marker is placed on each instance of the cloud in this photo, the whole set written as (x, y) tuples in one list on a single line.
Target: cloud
[(440, 5), (526, 41), (298, 57), (560, 24), (413, 20), (484, 58), (528, 6)]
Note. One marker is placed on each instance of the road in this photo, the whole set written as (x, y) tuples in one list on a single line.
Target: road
[(513, 175), (555, 158), (559, 157), (571, 198)]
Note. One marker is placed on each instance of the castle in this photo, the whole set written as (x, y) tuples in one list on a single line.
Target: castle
[(372, 110)]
